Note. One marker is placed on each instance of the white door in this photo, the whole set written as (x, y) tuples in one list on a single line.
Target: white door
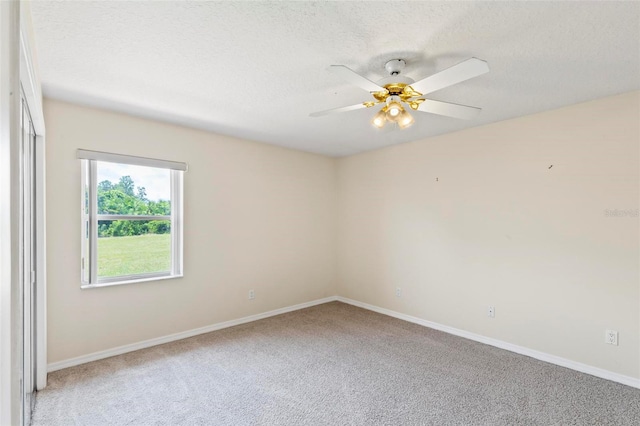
[(28, 260)]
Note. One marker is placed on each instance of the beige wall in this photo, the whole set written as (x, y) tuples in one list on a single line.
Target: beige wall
[(498, 227), (478, 218), (256, 217)]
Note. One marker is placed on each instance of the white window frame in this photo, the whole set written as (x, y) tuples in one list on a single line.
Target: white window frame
[(90, 218)]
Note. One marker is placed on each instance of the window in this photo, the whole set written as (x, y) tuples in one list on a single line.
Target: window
[(131, 209)]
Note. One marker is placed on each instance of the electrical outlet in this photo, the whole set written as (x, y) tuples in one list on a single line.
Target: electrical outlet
[(611, 337), (398, 292), (252, 294), (491, 312)]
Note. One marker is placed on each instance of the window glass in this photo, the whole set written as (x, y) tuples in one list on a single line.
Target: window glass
[(139, 253), (129, 222), (128, 189)]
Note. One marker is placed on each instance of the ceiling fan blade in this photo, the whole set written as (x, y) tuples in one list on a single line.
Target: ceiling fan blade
[(334, 110), (354, 78), (465, 70), (450, 110)]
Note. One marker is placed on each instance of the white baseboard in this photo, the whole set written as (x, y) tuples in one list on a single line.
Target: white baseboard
[(542, 356), (178, 336)]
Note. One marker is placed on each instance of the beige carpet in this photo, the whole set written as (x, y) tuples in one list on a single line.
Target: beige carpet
[(332, 364)]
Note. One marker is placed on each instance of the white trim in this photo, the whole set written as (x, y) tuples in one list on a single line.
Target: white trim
[(182, 335), (83, 154), (30, 82), (131, 217), (93, 221), (41, 271), (542, 356), (10, 326), (177, 217), (27, 255), (29, 71), (109, 282)]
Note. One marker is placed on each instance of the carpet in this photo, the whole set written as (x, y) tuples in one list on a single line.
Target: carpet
[(331, 364)]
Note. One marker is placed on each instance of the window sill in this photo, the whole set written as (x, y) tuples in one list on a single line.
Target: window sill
[(134, 281)]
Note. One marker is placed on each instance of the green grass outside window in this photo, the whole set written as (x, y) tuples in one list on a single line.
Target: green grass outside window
[(140, 254)]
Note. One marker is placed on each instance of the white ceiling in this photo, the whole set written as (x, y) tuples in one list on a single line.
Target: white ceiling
[(255, 70)]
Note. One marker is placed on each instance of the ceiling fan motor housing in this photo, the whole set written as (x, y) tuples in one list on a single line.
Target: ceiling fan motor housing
[(395, 66)]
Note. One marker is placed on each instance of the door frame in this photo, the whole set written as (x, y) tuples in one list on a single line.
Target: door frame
[(18, 66), (28, 240), (33, 93), (10, 305)]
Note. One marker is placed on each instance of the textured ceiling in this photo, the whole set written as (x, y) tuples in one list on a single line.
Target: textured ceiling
[(255, 70)]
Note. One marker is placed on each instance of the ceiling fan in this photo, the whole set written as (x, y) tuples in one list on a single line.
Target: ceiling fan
[(396, 90)]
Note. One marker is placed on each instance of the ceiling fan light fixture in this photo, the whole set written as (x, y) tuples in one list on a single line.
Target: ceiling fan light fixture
[(405, 120), (394, 108), (380, 119), (400, 94)]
